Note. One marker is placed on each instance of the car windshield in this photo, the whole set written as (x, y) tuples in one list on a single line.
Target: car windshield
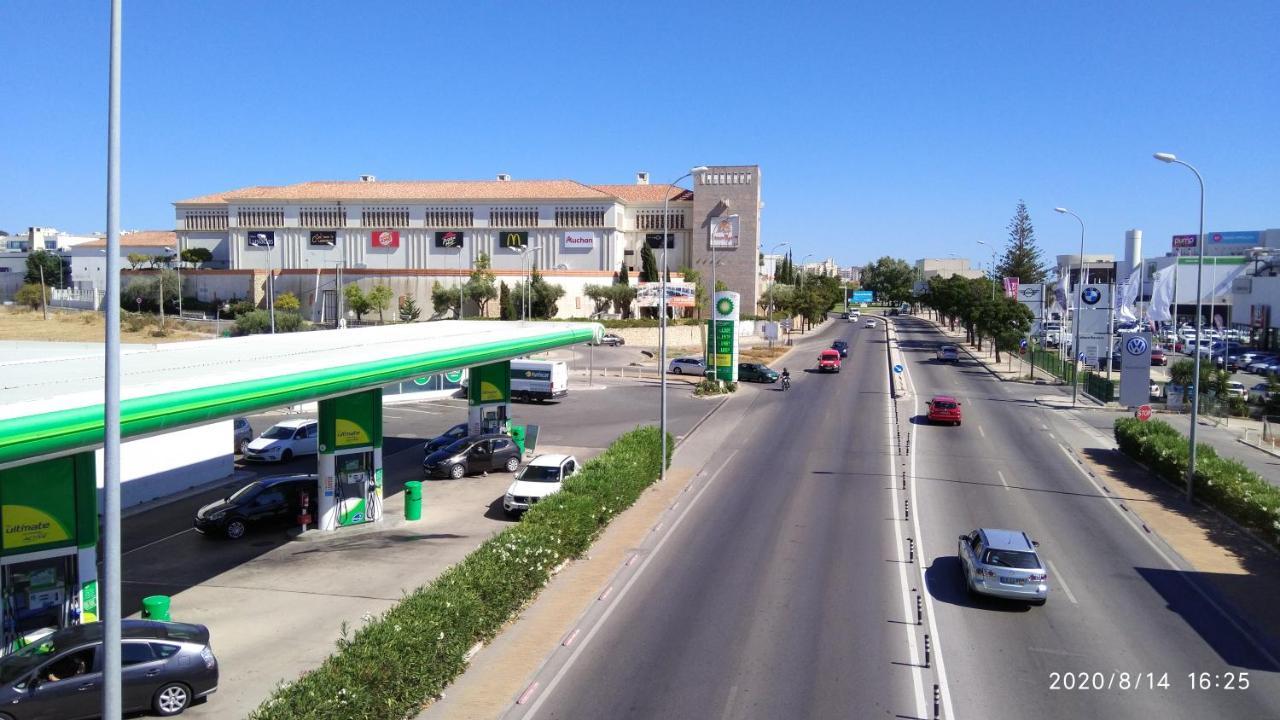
[(1019, 559), (540, 473), (19, 662), (246, 492), (458, 446), (944, 405), (279, 432)]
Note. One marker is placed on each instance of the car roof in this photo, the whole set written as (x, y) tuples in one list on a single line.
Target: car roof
[(131, 628), (997, 539), (550, 460), (943, 398), (829, 351), (277, 479), (295, 423)]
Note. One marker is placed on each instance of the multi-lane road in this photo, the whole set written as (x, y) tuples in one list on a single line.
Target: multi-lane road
[(789, 588)]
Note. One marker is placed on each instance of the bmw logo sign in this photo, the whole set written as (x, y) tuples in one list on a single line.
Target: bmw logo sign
[(1136, 345), (1091, 295)]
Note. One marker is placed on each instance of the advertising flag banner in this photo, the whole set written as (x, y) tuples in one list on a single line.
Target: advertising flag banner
[(1126, 303), (1011, 287), (1162, 294)]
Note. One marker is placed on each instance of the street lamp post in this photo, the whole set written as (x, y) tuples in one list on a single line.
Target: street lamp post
[(1075, 344), (461, 288), (993, 267), (779, 246), (526, 303), (662, 322), (1195, 397)]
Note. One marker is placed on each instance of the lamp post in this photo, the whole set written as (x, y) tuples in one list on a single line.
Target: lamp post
[(662, 322), (1075, 344), (985, 244), (779, 246), (1195, 397), (177, 268), (112, 696), (526, 303), (461, 285)]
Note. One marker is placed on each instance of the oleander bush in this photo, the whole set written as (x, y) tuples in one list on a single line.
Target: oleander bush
[(1223, 483), (398, 661)]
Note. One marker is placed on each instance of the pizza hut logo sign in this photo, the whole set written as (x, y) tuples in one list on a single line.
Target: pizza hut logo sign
[(385, 239), (449, 239)]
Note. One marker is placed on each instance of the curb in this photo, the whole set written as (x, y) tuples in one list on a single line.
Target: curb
[(1259, 448)]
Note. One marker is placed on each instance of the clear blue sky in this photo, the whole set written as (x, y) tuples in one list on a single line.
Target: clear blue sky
[(879, 129)]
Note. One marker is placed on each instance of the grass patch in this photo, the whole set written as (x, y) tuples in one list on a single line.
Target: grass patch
[(402, 659), (762, 353)]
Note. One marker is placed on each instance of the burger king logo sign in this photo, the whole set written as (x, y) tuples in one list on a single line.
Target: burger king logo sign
[(384, 239)]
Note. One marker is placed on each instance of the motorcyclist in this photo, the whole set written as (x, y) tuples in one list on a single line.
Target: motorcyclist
[(786, 377)]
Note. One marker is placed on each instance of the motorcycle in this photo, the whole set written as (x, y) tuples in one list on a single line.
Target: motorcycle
[(786, 383)]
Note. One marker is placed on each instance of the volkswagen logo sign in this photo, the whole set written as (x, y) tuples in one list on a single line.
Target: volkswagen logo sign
[(1091, 295), (1136, 345)]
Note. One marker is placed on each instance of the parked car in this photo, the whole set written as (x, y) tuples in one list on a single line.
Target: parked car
[(687, 366), (543, 476), (471, 455), (842, 347), (829, 361), (1158, 357), (610, 339), (270, 501), (944, 409), (1157, 390), (165, 666), (756, 372), (1261, 364), (1236, 389), (242, 433), (284, 441), (1003, 563), (1261, 393), (445, 439), (948, 353)]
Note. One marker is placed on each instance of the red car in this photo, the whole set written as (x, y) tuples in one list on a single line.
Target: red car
[(829, 361), (944, 409), (1158, 357)]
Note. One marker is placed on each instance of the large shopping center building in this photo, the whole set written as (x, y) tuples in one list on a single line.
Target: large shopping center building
[(409, 234)]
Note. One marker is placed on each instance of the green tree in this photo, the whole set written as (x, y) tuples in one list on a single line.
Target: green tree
[(1180, 373), (601, 295), (380, 299), (623, 296), (195, 256), (259, 321), (506, 309), (699, 292), (357, 301), (149, 287), (137, 259), (287, 302), (52, 266), (624, 277), (482, 287), (444, 299), (648, 265), (409, 310), (31, 296), (891, 279), (1022, 257), (1006, 321), (543, 296)]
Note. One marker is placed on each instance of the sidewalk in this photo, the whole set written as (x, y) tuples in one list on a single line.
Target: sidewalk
[(1012, 367)]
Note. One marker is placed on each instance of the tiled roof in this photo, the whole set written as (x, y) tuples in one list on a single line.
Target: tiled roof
[(140, 238), (646, 193), (391, 190)]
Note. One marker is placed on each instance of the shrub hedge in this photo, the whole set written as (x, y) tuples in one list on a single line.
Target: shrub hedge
[(1223, 483), (396, 662)]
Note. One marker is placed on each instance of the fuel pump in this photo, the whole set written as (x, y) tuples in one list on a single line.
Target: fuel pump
[(304, 512)]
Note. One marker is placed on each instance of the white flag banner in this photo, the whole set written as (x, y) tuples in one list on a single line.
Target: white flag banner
[(1162, 294), (1224, 283), (1060, 293), (1126, 307)]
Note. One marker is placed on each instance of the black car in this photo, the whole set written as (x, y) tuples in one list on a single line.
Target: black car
[(471, 455), (611, 339), (165, 666), (756, 372), (449, 437), (274, 500), (842, 346)]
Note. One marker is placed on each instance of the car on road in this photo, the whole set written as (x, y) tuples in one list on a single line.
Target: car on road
[(870, 323), (241, 433), (165, 666), (275, 500), (445, 439), (472, 455), (284, 441), (944, 409), (756, 372), (543, 476), (1261, 393), (1003, 563), (829, 361), (844, 316), (854, 315), (610, 339), (948, 353), (841, 346), (1158, 357), (687, 366)]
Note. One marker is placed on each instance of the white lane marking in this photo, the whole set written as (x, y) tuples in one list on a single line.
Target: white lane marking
[(730, 703), (1061, 580), (157, 542), (943, 685), (1137, 528), (417, 410), (1003, 482), (982, 432), (626, 587), (917, 677), (1042, 427)]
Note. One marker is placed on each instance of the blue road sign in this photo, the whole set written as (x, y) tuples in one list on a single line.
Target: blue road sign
[(898, 368)]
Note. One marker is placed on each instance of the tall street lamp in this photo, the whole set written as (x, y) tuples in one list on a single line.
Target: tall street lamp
[(177, 268), (528, 288), (985, 244), (1075, 344), (772, 250), (662, 323), (1195, 397)]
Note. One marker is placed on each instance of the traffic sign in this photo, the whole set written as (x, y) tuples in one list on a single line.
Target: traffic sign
[(898, 368), (1144, 412)]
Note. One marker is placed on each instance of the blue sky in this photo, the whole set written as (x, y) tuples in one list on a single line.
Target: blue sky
[(879, 129)]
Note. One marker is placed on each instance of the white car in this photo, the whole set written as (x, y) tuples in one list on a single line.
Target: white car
[(854, 315), (948, 353), (1236, 389), (543, 476), (284, 441), (687, 366), (869, 323)]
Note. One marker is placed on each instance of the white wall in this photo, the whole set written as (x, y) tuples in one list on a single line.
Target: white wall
[(162, 465)]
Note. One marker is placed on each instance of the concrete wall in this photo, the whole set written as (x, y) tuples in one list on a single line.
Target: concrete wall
[(162, 465), (677, 336), (729, 190)]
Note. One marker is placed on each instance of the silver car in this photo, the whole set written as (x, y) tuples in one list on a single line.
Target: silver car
[(948, 353), (1005, 564), (687, 366)]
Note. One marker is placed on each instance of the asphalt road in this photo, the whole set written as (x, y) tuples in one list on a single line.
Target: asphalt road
[(784, 592)]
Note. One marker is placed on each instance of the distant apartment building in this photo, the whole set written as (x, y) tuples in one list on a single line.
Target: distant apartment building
[(927, 268)]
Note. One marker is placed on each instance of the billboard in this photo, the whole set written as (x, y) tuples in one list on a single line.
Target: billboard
[(513, 239), (724, 335), (1033, 297), (449, 239), (654, 240), (679, 294), (1093, 303), (579, 239), (1135, 369), (1184, 241), (261, 238), (384, 239), (859, 296), (1248, 238), (724, 231), (324, 238)]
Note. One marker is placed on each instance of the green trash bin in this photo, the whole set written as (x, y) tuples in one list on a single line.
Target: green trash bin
[(156, 607), (517, 434), (413, 500)]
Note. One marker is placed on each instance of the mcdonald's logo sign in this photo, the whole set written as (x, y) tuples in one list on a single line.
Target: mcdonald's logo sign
[(514, 239)]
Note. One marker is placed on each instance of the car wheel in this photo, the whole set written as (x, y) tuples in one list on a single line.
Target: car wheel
[(456, 472), (240, 446), (286, 456), (171, 699), (234, 529), (676, 370), (513, 464)]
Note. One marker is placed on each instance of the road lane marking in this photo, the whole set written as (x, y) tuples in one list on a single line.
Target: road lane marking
[(417, 410), (917, 677), (982, 432), (157, 542), (1169, 561), (1003, 481), (626, 587), (1062, 580)]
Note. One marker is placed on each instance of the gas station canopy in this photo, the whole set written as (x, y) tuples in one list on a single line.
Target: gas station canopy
[(53, 406)]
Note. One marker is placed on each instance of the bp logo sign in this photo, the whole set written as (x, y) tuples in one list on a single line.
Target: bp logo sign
[(1136, 345), (724, 306), (1091, 295)]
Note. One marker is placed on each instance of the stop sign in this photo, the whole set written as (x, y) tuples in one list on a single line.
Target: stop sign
[(1144, 412)]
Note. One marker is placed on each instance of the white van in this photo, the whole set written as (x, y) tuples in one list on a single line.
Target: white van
[(853, 315), (539, 379)]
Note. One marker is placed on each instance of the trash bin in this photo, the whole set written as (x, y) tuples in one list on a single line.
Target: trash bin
[(517, 434), (156, 607), (413, 500)]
